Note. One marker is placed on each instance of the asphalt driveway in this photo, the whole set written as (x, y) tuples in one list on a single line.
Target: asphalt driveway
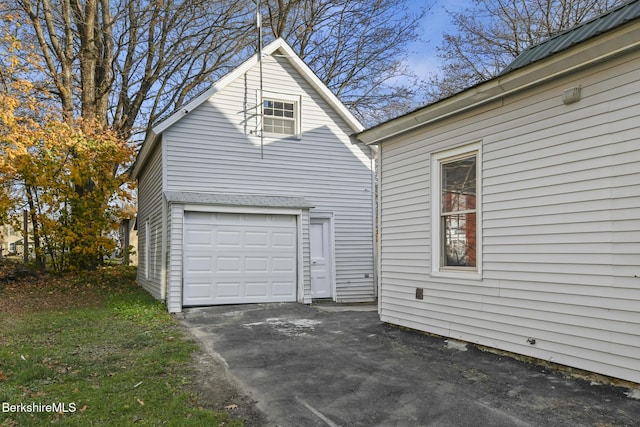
[(333, 365)]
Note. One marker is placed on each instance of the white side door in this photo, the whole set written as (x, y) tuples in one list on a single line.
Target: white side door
[(321, 258)]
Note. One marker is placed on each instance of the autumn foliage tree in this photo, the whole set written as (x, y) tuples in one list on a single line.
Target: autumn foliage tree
[(52, 161), (62, 169), (45, 163)]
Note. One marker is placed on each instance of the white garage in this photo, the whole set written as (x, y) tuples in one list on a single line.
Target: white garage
[(235, 258), (220, 198)]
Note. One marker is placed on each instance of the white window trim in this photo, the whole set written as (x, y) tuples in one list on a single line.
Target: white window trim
[(436, 239), (297, 112)]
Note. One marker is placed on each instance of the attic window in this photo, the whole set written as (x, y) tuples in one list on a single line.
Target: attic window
[(279, 117)]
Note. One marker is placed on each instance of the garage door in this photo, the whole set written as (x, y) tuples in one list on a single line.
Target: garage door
[(238, 258)]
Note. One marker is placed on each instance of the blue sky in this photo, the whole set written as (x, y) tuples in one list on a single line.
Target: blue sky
[(422, 59)]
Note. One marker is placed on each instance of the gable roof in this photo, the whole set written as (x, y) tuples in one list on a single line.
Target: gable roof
[(578, 34), (279, 47), (595, 41)]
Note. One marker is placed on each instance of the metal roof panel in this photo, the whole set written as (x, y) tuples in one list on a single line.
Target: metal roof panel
[(614, 18)]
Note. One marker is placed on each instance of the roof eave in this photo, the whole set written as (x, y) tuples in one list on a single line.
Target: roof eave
[(319, 86), (147, 146)]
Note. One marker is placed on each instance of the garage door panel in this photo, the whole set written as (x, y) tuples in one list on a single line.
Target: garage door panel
[(239, 258), (282, 220), (199, 264), (283, 240), (199, 236), (200, 218), (256, 289), (256, 264), (283, 289), (199, 290), (228, 239), (226, 264), (256, 239), (228, 289), (225, 218), (279, 265)]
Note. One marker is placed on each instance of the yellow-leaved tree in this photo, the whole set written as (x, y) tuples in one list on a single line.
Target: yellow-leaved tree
[(66, 171)]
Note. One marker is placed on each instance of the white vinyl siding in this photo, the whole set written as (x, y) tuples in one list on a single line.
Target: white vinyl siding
[(215, 148), (176, 240), (305, 252), (147, 245), (560, 225), (150, 205)]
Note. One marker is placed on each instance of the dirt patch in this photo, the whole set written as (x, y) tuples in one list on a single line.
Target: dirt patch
[(219, 391), (27, 291)]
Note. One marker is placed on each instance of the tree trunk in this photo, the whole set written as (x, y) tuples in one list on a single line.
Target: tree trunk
[(35, 224)]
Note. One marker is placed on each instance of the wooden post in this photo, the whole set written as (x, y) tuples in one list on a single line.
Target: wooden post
[(25, 236), (126, 224)]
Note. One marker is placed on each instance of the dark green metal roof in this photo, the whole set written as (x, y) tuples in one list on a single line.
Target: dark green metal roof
[(614, 18)]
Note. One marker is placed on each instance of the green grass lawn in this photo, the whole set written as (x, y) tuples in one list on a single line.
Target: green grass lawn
[(99, 348)]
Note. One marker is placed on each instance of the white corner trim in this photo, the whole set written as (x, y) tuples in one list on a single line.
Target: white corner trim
[(300, 297)]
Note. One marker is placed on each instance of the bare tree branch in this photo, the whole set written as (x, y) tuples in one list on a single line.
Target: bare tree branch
[(492, 33), (128, 62), (356, 48)]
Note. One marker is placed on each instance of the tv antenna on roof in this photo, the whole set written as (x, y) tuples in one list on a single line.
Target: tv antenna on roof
[(261, 110)]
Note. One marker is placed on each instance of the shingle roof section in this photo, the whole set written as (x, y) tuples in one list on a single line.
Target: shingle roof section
[(601, 24), (225, 199)]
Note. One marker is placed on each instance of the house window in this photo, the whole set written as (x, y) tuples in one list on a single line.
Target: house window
[(455, 216), (279, 117)]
